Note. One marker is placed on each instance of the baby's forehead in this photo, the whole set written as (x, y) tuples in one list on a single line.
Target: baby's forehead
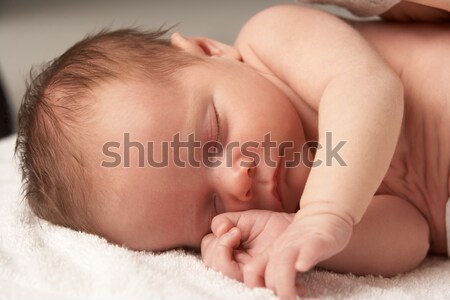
[(128, 102)]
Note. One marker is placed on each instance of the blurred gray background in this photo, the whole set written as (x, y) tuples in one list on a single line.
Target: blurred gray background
[(33, 32)]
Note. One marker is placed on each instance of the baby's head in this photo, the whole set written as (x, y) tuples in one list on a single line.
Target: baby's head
[(103, 139)]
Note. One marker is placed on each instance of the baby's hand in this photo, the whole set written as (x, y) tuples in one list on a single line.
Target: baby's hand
[(239, 236), (221, 253), (311, 237)]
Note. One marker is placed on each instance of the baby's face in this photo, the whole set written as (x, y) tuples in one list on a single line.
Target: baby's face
[(158, 208)]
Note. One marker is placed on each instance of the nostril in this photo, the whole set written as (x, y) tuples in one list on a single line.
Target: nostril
[(248, 193)]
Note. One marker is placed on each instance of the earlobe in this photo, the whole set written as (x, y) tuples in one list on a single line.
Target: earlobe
[(201, 46)]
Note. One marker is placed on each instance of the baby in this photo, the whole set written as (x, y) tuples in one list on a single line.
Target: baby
[(153, 144)]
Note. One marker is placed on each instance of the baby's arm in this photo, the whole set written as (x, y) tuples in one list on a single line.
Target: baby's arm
[(392, 237), (359, 99)]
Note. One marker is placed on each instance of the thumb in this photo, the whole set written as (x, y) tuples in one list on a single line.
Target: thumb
[(222, 223), (311, 254), (249, 222)]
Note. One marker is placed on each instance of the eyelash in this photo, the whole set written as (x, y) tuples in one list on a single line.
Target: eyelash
[(215, 205), (219, 131)]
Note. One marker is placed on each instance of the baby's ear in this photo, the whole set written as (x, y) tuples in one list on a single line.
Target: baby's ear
[(202, 46)]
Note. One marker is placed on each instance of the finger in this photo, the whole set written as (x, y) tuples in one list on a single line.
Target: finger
[(224, 260), (221, 224), (242, 257), (301, 290), (310, 255), (230, 240), (207, 248), (244, 220), (224, 222), (254, 271), (305, 262), (281, 274), (206, 242)]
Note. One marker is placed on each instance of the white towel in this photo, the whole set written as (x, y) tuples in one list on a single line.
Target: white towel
[(42, 261)]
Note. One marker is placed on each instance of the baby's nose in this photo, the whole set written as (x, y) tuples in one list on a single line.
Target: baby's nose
[(239, 181)]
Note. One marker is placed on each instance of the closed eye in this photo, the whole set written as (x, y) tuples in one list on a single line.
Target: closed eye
[(215, 205), (219, 131)]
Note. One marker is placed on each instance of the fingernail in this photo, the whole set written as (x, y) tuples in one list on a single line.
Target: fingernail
[(232, 231)]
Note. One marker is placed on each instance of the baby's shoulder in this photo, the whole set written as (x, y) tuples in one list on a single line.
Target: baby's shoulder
[(267, 29)]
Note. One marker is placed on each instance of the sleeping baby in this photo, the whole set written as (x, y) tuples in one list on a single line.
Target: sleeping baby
[(298, 146)]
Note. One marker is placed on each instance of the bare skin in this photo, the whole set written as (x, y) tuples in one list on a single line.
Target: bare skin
[(419, 171), (351, 91), (406, 218), (336, 84)]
